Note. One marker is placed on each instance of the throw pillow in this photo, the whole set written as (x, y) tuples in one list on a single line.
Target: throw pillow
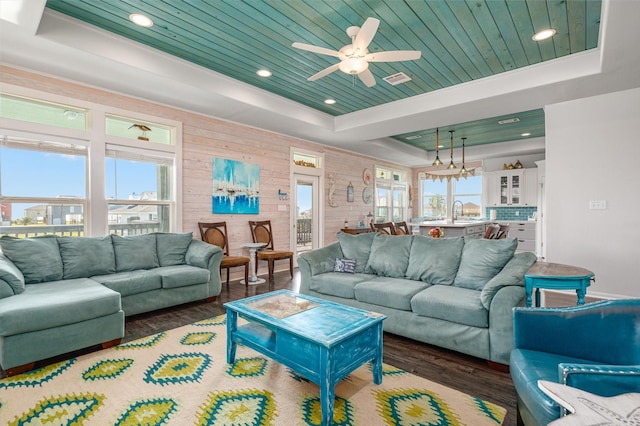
[(356, 247), (435, 260), (345, 265), (38, 258), (135, 252), (10, 274), (87, 256), (482, 259), (172, 247), (390, 255)]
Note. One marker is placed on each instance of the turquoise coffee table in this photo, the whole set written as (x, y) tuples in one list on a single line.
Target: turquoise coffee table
[(320, 340)]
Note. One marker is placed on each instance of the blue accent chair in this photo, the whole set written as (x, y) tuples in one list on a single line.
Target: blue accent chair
[(593, 347)]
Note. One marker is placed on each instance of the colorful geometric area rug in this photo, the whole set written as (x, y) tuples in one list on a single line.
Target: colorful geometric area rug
[(180, 377)]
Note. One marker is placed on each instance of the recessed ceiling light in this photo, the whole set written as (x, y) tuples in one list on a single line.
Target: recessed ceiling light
[(525, 134), (329, 101), (413, 137), (509, 120), (264, 73), (544, 34), (141, 20)]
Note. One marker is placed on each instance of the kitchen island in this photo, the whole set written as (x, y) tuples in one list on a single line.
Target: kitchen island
[(452, 229)]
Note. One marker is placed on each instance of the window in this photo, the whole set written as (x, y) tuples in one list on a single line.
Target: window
[(49, 186), (42, 187), (469, 192), (438, 198), (139, 193), (434, 199), (391, 195)]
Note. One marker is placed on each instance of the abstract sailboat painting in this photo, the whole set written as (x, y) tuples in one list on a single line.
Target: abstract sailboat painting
[(236, 187)]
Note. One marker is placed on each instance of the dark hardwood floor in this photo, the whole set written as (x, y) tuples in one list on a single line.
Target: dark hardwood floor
[(465, 373)]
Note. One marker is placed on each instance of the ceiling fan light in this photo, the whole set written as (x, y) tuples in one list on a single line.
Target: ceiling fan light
[(353, 65)]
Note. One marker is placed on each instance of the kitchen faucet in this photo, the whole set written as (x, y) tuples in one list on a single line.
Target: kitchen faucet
[(453, 210)]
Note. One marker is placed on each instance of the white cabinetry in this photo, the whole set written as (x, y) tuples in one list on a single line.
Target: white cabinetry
[(525, 233), (508, 188)]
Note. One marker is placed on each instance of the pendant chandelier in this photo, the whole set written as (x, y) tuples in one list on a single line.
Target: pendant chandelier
[(451, 165), (437, 161), (463, 171), (439, 170)]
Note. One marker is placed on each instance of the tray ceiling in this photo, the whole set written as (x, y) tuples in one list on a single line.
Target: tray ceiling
[(460, 41)]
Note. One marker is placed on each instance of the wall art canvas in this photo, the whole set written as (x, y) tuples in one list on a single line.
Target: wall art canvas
[(236, 187)]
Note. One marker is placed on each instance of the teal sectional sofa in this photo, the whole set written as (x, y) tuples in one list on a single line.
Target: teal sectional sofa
[(60, 294), (457, 293)]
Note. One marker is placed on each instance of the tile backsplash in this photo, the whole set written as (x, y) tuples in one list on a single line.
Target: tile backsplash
[(511, 213)]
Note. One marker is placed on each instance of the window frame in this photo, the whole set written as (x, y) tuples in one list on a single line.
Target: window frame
[(96, 209)]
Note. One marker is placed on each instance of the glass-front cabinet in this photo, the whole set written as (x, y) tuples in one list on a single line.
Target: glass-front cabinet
[(510, 187)]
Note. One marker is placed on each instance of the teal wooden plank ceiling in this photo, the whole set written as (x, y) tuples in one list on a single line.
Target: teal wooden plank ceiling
[(460, 41)]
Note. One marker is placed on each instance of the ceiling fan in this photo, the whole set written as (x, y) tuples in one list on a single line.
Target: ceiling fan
[(355, 58)]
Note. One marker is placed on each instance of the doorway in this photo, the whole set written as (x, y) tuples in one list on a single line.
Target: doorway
[(305, 213)]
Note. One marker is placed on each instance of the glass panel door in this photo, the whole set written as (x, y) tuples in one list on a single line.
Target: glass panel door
[(306, 213)]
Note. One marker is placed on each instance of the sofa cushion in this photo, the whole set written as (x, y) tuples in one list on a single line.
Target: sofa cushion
[(10, 274), (131, 282), (455, 304), (435, 260), (172, 247), (85, 256), (337, 284), (135, 252), (56, 303), (395, 293), (482, 259), (389, 255), (356, 247), (182, 275), (37, 258)]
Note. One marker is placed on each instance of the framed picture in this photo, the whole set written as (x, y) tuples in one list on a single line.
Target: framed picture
[(350, 193), (366, 176), (367, 195), (236, 187)]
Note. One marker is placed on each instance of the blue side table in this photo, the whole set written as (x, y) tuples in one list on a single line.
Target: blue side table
[(556, 276)]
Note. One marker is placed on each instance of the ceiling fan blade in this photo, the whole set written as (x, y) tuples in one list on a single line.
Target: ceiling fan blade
[(315, 49), (393, 56), (324, 72), (367, 78), (366, 33)]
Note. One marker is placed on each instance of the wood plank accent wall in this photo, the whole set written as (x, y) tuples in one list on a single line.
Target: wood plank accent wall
[(207, 137)]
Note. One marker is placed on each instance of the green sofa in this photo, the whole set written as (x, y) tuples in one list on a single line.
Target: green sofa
[(457, 293), (60, 294)]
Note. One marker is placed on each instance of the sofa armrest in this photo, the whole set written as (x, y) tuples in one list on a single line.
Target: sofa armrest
[(316, 262), (512, 274), (206, 256), (11, 279), (601, 379)]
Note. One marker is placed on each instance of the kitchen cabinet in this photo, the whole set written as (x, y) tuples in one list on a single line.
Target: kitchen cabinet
[(524, 232), (506, 188)]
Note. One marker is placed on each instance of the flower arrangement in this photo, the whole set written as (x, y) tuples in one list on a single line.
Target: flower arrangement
[(436, 232)]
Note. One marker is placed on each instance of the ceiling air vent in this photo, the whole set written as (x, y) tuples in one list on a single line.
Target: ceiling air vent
[(397, 78)]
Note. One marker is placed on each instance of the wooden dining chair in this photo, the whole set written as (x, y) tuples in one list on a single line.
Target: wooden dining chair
[(402, 228), (503, 232), (384, 228), (261, 233), (215, 233), (491, 232)]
